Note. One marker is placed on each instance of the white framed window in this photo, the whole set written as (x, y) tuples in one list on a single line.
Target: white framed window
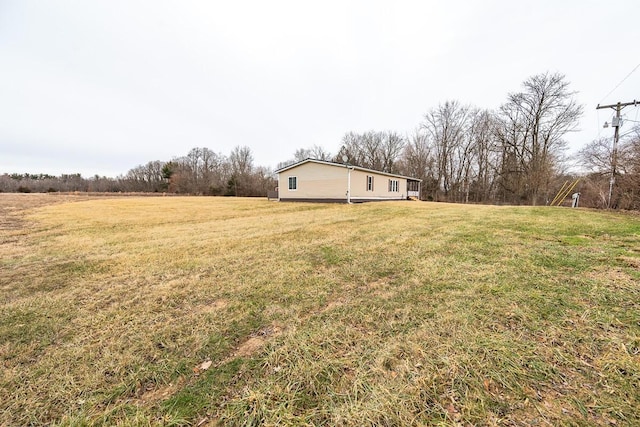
[(394, 185), (369, 183), (293, 183)]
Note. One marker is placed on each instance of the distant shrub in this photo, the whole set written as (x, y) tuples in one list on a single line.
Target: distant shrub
[(51, 190), (23, 189)]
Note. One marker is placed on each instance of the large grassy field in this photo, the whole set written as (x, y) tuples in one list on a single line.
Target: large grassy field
[(223, 311)]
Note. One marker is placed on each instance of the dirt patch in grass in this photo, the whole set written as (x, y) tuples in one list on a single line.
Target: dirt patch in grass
[(630, 261), (332, 305), (249, 347), (215, 306), (613, 277), (153, 394), (257, 341)]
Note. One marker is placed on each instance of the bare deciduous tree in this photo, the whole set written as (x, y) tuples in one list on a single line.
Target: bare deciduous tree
[(374, 150), (241, 160), (315, 152), (146, 178), (485, 154), (447, 126), (418, 162), (596, 158), (533, 125)]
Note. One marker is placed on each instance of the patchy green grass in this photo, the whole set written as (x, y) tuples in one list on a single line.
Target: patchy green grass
[(398, 313)]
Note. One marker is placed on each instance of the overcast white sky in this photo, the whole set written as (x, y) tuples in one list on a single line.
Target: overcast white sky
[(99, 87)]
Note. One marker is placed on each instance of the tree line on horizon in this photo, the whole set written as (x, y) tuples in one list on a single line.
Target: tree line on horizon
[(462, 153), (200, 172)]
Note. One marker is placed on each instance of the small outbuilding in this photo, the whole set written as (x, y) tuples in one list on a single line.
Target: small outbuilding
[(314, 180)]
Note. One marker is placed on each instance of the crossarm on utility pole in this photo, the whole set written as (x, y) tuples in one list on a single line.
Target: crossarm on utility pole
[(619, 104)]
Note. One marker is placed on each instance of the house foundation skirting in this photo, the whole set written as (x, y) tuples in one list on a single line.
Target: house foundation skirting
[(328, 200)]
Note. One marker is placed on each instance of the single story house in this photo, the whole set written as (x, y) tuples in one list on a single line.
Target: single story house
[(314, 180)]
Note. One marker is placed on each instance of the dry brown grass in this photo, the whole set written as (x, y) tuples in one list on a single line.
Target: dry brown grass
[(395, 313)]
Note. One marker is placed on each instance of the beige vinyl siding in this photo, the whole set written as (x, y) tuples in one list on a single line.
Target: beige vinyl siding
[(380, 186), (314, 181), (322, 181)]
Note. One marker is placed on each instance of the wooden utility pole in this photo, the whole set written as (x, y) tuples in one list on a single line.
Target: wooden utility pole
[(615, 122)]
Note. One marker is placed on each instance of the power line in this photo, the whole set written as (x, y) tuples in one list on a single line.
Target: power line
[(622, 81), (628, 133)]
